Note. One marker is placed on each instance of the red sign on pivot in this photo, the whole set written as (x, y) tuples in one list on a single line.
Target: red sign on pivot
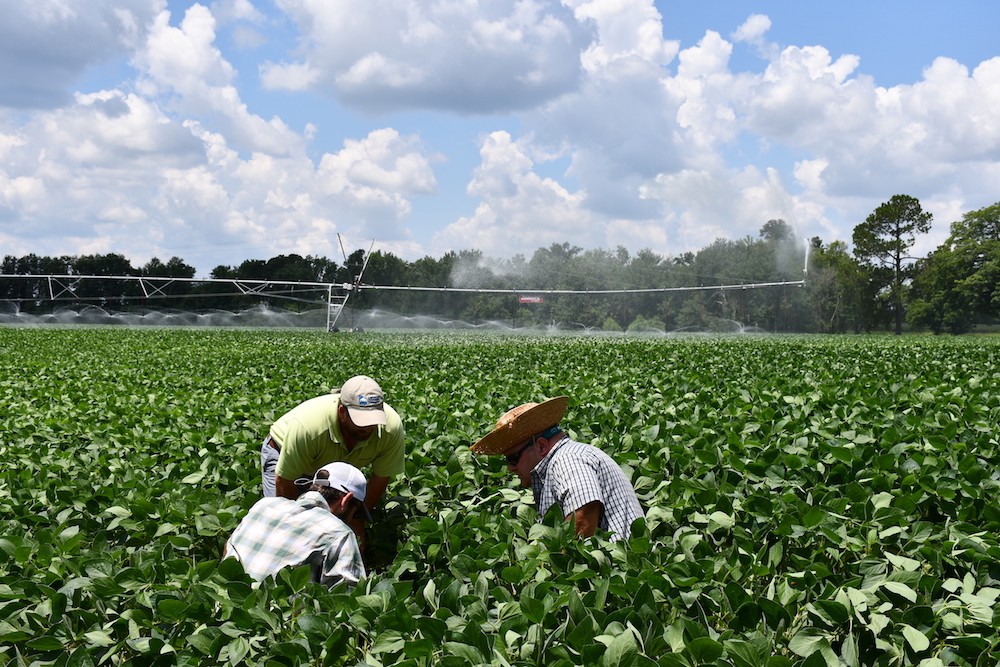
[(531, 299)]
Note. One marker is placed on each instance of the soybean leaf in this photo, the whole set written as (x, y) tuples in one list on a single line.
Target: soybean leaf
[(622, 651)]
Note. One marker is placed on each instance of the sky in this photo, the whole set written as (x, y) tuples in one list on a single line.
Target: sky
[(245, 129)]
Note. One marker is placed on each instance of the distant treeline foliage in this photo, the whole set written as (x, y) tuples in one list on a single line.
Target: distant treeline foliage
[(951, 290)]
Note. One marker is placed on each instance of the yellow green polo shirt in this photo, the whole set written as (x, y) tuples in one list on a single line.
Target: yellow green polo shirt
[(309, 437)]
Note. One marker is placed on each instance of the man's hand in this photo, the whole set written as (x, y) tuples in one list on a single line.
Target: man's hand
[(587, 518)]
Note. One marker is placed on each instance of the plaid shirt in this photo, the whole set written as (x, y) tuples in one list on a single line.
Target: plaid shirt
[(573, 474), (278, 532)]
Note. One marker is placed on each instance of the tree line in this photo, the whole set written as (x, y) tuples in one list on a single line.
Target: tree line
[(875, 286)]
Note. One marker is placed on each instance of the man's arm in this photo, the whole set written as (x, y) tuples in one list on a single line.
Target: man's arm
[(285, 488), (342, 562), (376, 489), (389, 459), (587, 518)]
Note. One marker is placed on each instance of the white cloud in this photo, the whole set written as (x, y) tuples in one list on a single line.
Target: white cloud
[(619, 123), (631, 120), (113, 172), (959, 111), (384, 161), (49, 44), (228, 11), (246, 38), (753, 29), (921, 139), (21, 193), (711, 93), (519, 210), (121, 129), (860, 143), (484, 57), (627, 30), (160, 166), (700, 206), (124, 213), (709, 58), (87, 160), (287, 203), (804, 96), (288, 76), (184, 61), (635, 235), (667, 148), (752, 32), (375, 67)]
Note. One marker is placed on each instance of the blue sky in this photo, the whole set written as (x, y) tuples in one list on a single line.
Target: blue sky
[(241, 129)]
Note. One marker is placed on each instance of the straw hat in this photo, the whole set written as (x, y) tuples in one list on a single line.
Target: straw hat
[(520, 423)]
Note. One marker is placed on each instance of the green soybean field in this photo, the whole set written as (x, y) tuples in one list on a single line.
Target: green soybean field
[(809, 501)]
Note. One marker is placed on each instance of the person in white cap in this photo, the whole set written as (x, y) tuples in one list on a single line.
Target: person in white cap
[(586, 483), (353, 424), (311, 530)]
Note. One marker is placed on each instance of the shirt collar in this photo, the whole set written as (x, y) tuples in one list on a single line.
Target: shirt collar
[(311, 499), (542, 467), (335, 434)]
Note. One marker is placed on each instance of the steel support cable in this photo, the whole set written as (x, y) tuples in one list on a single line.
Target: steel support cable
[(269, 288)]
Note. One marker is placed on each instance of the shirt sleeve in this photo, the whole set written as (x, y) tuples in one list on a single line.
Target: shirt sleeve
[(296, 446), (342, 562), (577, 483), (391, 459)]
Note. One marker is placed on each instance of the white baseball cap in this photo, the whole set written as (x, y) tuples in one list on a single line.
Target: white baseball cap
[(347, 478), (362, 397)]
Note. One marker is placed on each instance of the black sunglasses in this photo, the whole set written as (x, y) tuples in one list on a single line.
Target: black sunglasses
[(513, 459)]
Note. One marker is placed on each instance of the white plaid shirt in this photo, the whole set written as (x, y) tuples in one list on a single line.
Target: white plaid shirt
[(573, 474), (278, 532)]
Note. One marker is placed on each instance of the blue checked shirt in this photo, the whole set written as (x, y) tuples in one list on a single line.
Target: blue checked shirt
[(278, 532), (573, 474)]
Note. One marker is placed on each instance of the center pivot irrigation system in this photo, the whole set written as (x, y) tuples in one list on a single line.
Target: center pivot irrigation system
[(66, 288)]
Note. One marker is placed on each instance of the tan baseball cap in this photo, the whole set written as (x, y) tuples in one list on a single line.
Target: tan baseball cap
[(362, 397)]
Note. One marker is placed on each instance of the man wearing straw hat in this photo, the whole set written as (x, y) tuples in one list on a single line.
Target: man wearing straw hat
[(311, 530), (585, 482)]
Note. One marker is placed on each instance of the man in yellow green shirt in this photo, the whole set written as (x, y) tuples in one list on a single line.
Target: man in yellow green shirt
[(353, 425)]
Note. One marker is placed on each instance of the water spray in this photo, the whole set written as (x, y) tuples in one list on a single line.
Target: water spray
[(63, 288)]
